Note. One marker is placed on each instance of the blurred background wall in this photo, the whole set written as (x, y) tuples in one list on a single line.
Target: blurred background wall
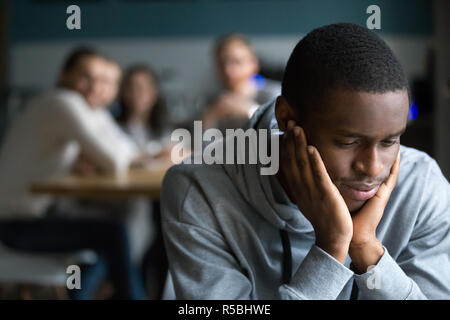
[(442, 88), (175, 37)]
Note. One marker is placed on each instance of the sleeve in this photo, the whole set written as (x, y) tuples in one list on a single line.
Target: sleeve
[(203, 266), (319, 277), (100, 142), (422, 270)]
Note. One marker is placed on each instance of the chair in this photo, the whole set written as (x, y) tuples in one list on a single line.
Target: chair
[(42, 269)]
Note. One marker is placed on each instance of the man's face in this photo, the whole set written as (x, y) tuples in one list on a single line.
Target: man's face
[(358, 137), (112, 76), (236, 64), (90, 78)]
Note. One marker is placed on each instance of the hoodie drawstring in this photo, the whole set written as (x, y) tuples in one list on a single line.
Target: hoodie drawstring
[(287, 256)]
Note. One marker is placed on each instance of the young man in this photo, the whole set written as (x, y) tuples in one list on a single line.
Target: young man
[(60, 130), (351, 214)]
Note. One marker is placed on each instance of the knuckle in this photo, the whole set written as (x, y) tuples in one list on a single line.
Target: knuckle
[(302, 163), (319, 176)]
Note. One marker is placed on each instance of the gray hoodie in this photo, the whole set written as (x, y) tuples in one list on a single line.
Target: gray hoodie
[(222, 224)]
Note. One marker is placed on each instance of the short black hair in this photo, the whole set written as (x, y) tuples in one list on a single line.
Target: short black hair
[(341, 55), (79, 53)]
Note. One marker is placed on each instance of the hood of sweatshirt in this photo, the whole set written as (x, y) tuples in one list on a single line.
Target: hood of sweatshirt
[(264, 192)]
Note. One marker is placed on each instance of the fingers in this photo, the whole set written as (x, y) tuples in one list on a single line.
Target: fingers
[(319, 170), (301, 154), (290, 151), (306, 165), (392, 179), (381, 198), (384, 191)]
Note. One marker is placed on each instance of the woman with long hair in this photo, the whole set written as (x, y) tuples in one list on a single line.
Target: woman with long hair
[(143, 112)]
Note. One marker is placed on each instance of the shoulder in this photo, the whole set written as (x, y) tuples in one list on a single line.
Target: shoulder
[(417, 163), (423, 187), (57, 102), (69, 107), (54, 104), (191, 188), (269, 90), (61, 97), (180, 177)]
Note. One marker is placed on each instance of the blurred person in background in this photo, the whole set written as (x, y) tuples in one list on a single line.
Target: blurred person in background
[(58, 130), (143, 114), (111, 78), (243, 90)]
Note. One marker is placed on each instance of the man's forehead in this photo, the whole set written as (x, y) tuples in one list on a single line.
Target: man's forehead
[(365, 113), (385, 132), (113, 71), (234, 49), (100, 70), (92, 60)]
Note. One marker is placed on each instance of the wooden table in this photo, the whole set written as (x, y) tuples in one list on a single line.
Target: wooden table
[(137, 182)]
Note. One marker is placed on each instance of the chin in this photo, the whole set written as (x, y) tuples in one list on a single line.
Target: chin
[(354, 206)]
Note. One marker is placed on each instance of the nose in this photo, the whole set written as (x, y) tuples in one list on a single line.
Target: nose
[(368, 163)]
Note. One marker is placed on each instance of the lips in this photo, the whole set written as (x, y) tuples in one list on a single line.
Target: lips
[(359, 192)]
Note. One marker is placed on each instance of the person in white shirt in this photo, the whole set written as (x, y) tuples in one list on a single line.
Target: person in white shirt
[(58, 131)]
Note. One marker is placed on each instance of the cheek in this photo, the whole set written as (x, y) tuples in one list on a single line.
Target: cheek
[(82, 86), (148, 96), (337, 162), (132, 95), (248, 71), (233, 71), (388, 158)]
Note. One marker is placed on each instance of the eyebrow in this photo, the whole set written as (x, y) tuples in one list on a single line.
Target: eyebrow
[(350, 134)]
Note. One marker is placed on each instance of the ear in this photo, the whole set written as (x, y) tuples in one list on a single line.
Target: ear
[(283, 113)]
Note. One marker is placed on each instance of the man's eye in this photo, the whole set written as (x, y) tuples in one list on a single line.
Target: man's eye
[(389, 143), (346, 144)]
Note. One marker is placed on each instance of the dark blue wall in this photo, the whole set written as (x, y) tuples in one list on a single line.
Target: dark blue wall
[(46, 19)]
